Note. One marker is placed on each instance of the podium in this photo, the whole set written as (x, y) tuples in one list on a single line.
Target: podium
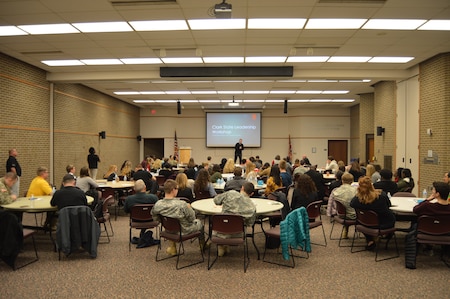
[(185, 155)]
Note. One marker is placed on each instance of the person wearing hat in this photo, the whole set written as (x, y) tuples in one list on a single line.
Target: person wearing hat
[(69, 194)]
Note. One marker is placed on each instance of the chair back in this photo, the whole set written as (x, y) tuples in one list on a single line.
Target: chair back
[(160, 179), (228, 224), (367, 218), (434, 225), (170, 224), (313, 209), (202, 194), (141, 212), (340, 208), (403, 194), (185, 199), (106, 203), (106, 192)]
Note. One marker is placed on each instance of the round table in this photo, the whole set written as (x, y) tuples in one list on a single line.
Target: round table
[(37, 205), (263, 206), (404, 205)]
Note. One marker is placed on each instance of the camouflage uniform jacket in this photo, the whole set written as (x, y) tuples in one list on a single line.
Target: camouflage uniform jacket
[(178, 209), (5, 193), (237, 203)]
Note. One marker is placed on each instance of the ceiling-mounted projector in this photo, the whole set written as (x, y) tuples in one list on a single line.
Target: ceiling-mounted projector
[(222, 10)]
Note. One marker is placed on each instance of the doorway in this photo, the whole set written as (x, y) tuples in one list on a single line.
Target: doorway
[(370, 148), (154, 146), (339, 150)]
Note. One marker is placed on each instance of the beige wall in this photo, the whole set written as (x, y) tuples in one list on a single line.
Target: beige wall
[(366, 122), (354, 131), (309, 129), (435, 115), (79, 114)]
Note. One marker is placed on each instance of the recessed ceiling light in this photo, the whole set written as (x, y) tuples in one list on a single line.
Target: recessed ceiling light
[(320, 100), (265, 59), (11, 30), (101, 61), (209, 101), (343, 100), (230, 92), (349, 59), (393, 24), (178, 92), (276, 23), (153, 92), (163, 25), (299, 101), (307, 58), (49, 29), (217, 24), (436, 25), (126, 93), (274, 101), (182, 60), (62, 62), (335, 92), (143, 101), (223, 59), (335, 23), (203, 92), (165, 101), (256, 92), (141, 60), (103, 27), (309, 92), (390, 59), (282, 91)]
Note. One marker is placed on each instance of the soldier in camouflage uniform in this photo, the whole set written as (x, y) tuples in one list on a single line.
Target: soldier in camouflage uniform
[(6, 183), (238, 203), (173, 207)]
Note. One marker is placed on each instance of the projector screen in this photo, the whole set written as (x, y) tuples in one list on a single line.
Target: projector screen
[(224, 129)]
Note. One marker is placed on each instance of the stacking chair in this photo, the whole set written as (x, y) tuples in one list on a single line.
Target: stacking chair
[(434, 230), (106, 193), (106, 217), (367, 223), (341, 218), (315, 218), (403, 194), (296, 226), (202, 194), (141, 218), (227, 224), (171, 230), (27, 233)]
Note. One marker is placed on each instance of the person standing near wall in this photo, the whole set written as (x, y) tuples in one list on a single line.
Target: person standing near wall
[(12, 165), (238, 148), (93, 161)]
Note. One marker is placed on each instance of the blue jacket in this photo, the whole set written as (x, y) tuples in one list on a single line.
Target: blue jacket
[(294, 232)]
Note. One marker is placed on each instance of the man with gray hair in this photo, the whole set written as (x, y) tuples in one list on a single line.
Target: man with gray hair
[(140, 197), (6, 196)]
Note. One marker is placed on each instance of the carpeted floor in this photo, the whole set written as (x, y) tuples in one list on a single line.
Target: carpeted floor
[(117, 273)]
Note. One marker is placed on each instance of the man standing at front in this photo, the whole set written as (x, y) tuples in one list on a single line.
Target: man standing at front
[(173, 207), (238, 148), (13, 166)]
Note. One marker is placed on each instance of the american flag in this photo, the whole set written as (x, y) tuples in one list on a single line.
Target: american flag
[(290, 148), (175, 147)]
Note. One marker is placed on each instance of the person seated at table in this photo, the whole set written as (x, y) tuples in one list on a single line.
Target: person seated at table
[(435, 204), (216, 174), (337, 182), (385, 183), (367, 198), (236, 182), (406, 183), (276, 160), (237, 203), (229, 166), (398, 174), (191, 169), (318, 181), (183, 189), (70, 169), (265, 170), (305, 191), (126, 171), (286, 177), (203, 186), (150, 181), (111, 174), (39, 185), (344, 194), (303, 168), (251, 174), (88, 185), (274, 181), (139, 197), (173, 207), (331, 165), (355, 170), (6, 183), (69, 195)]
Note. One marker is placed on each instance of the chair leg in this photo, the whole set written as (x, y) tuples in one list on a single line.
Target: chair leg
[(33, 260), (110, 225), (391, 257)]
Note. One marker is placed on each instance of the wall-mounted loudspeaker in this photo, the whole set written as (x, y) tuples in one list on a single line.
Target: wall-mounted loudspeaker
[(285, 107), (102, 134), (178, 107), (380, 131), (138, 137)]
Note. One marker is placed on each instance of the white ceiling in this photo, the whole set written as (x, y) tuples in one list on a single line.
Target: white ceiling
[(209, 43)]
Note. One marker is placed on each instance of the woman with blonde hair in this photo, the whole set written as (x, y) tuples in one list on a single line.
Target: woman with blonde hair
[(111, 175), (367, 198), (229, 166), (183, 189), (126, 170), (250, 174)]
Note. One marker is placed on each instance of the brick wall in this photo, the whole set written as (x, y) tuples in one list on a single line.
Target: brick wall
[(79, 114), (384, 115), (366, 122), (434, 112)]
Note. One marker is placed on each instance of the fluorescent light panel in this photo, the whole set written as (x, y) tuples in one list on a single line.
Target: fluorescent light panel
[(103, 27), (307, 58), (223, 59), (11, 30), (127, 93), (217, 24), (163, 25), (49, 29), (349, 59), (101, 61), (265, 59), (62, 62), (436, 25), (393, 24), (141, 60), (390, 59), (276, 23), (335, 23), (182, 60)]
